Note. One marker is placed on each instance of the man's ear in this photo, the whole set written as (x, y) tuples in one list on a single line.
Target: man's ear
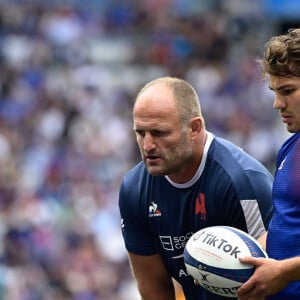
[(196, 125)]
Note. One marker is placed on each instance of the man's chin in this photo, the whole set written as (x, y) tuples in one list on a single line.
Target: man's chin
[(292, 129), (156, 171)]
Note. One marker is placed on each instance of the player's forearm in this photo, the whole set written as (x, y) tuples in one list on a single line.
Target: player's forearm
[(291, 268), (156, 288), (166, 294)]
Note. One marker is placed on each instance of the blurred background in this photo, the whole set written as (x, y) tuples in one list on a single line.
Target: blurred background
[(69, 73)]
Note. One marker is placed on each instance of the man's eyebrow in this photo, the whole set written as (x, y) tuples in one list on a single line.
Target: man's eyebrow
[(280, 87)]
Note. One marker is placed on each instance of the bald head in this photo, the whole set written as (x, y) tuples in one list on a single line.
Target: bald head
[(181, 96)]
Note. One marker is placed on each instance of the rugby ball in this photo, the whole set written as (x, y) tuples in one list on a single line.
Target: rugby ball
[(211, 256)]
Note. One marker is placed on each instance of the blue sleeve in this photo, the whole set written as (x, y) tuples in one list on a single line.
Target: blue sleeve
[(254, 191), (250, 182), (137, 236)]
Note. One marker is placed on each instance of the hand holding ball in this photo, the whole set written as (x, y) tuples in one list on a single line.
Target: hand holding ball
[(211, 256)]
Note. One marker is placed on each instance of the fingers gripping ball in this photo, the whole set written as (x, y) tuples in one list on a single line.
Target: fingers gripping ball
[(212, 254)]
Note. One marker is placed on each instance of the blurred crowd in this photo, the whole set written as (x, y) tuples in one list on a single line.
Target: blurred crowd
[(69, 73)]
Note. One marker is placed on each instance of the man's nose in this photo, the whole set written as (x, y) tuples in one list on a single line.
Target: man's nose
[(148, 142), (278, 102)]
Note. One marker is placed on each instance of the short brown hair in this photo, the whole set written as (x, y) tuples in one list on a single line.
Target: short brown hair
[(282, 55)]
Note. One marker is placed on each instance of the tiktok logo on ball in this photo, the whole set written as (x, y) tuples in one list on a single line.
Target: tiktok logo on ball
[(217, 242)]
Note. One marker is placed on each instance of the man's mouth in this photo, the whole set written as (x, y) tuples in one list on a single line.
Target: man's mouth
[(286, 118), (152, 158)]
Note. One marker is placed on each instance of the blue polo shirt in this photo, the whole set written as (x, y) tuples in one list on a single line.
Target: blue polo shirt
[(283, 240)]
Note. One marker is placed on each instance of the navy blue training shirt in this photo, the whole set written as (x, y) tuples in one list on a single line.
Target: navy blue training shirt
[(159, 216)]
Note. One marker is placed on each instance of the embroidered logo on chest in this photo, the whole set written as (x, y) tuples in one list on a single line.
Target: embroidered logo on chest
[(153, 210), (200, 207)]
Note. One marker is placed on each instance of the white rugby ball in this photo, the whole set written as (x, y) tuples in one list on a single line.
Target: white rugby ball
[(211, 256)]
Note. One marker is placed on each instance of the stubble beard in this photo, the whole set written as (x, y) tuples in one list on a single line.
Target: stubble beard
[(174, 160)]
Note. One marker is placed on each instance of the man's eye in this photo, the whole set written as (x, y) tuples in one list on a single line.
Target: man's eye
[(286, 92), (140, 133), (157, 133)]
